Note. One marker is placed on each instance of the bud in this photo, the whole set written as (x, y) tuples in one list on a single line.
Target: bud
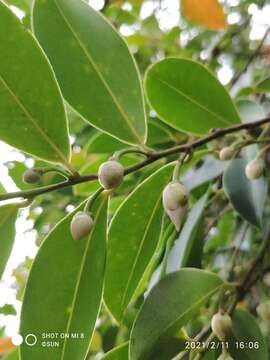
[(225, 356), (174, 196), (254, 169), (177, 216), (32, 176), (226, 153), (263, 310), (221, 325), (81, 225), (110, 174)]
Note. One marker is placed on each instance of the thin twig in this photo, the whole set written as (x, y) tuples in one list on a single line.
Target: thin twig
[(244, 287), (152, 157), (218, 48), (251, 58)]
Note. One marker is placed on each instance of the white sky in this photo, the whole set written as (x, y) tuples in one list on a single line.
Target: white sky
[(25, 238)]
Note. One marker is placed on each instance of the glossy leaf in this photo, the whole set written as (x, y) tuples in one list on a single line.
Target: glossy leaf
[(8, 215), (247, 331), (31, 107), (169, 306), (208, 13), (133, 239), (247, 196), (64, 289), (187, 250), (102, 143), (118, 353), (93, 66), (264, 85), (178, 90), (169, 348)]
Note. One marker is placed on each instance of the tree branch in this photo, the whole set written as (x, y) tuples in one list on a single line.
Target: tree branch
[(246, 283), (151, 157), (251, 58)]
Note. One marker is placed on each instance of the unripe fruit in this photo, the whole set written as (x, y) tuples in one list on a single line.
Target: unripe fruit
[(254, 169), (263, 310), (110, 174), (225, 356), (177, 216), (226, 153), (31, 176), (221, 325), (81, 225), (174, 196)]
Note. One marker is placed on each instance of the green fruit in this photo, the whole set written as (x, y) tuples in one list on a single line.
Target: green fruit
[(254, 169), (226, 153), (110, 174), (175, 195), (221, 325), (81, 225)]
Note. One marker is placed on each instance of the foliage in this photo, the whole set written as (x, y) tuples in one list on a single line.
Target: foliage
[(80, 87)]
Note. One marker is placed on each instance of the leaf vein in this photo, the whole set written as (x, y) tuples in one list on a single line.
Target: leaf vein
[(192, 100), (32, 119), (77, 285), (98, 72), (138, 254)]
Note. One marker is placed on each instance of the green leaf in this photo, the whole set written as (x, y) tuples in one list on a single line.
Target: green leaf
[(264, 85), (118, 353), (21, 4), (93, 66), (31, 106), (133, 239), (102, 143), (187, 250), (247, 331), (158, 133), (169, 306), (12, 355), (169, 348), (7, 309), (64, 290), (247, 196), (223, 234), (179, 91), (8, 215)]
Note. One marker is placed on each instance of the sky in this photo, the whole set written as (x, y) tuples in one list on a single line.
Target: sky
[(24, 245)]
